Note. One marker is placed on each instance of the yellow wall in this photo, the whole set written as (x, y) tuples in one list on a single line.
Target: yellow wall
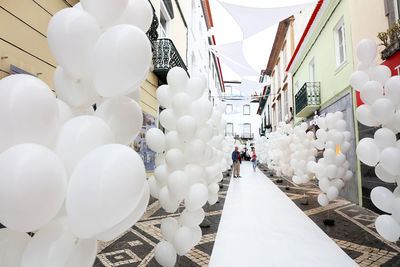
[(23, 36), (178, 29), (23, 41), (367, 20)]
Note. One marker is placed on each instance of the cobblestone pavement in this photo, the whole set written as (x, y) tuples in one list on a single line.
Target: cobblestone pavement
[(353, 229), (136, 246)]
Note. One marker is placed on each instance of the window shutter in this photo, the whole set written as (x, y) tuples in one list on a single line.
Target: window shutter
[(390, 12)]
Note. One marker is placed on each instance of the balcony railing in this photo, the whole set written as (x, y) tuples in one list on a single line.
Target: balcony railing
[(247, 135), (165, 57), (308, 99)]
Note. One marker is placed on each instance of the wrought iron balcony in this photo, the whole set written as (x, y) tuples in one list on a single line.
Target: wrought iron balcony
[(165, 57), (308, 99), (247, 135)]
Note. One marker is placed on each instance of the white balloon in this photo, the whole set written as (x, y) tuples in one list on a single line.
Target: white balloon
[(348, 176), (384, 175), (165, 254), (368, 152), (121, 60), (167, 119), (366, 50), (138, 13), (183, 240), (155, 140), (195, 87), (323, 200), (164, 96), (72, 35), (64, 111), (392, 89), (389, 160), (106, 12), (332, 193), (28, 111), (384, 138), (178, 184), (382, 198), (129, 221), (83, 111), (161, 174), (181, 104), (154, 187), (173, 140), (33, 184), (75, 92), (55, 246), (358, 79), (364, 116), (167, 201), (388, 228), (381, 73), (177, 80), (195, 173), (175, 159), (12, 246), (79, 136), (197, 197), (371, 91), (383, 110), (124, 116), (202, 110), (191, 218), (116, 176), (194, 151), (396, 209), (186, 127), (136, 95), (168, 228)]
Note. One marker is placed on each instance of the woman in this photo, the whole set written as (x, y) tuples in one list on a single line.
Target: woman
[(254, 158)]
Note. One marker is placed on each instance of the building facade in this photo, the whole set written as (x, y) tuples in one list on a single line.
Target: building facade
[(323, 62), (279, 98), (242, 120)]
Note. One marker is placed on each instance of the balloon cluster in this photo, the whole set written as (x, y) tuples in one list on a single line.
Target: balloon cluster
[(332, 170), (191, 158), (66, 171), (262, 148), (303, 152), (381, 96), (279, 153)]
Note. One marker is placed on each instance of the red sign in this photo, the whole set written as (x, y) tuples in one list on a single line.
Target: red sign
[(394, 65)]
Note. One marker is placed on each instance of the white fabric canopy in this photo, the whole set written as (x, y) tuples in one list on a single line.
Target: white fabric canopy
[(232, 55), (253, 20)]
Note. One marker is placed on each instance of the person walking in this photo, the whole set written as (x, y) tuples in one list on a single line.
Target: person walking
[(236, 162), (254, 158)]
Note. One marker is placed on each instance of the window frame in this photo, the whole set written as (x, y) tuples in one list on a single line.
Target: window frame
[(244, 106), (164, 32), (226, 129), (231, 109), (340, 26)]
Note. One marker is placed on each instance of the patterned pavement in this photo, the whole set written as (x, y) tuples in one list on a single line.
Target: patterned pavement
[(136, 246), (353, 231)]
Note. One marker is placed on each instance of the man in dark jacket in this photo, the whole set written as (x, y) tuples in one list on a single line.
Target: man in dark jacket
[(236, 162)]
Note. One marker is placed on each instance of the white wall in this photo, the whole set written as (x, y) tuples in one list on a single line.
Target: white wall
[(238, 119)]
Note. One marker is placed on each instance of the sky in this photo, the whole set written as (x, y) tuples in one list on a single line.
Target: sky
[(256, 48)]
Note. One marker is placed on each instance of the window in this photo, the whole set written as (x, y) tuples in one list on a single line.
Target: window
[(340, 43), (312, 71), (246, 130), (297, 88), (285, 105), (229, 129), (396, 9), (229, 108), (279, 109), (246, 110), (164, 20), (284, 57)]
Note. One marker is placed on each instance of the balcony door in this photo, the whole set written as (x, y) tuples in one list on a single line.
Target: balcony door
[(165, 21), (311, 88), (246, 130)]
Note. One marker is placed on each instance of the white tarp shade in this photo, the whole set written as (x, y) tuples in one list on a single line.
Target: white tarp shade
[(249, 87), (254, 20), (232, 55)]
